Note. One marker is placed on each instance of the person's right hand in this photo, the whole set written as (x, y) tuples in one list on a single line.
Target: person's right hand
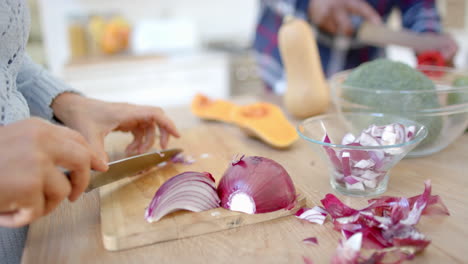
[(334, 16), (32, 156)]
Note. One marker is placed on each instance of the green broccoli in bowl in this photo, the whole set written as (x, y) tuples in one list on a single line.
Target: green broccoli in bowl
[(393, 87)]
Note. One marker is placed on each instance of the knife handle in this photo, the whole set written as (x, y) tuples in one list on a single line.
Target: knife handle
[(88, 189)]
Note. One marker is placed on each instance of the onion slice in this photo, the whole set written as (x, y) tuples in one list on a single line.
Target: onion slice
[(256, 185), (313, 215), (307, 260), (192, 191), (311, 240)]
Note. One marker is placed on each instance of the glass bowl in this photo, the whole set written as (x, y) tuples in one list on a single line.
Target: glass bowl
[(370, 179), (446, 116)]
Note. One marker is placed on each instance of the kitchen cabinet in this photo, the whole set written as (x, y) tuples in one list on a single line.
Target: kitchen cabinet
[(152, 80)]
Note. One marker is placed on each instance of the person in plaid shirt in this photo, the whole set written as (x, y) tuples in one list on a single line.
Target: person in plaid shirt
[(332, 18)]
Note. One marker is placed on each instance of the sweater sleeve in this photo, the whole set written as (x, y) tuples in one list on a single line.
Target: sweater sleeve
[(420, 15), (39, 88)]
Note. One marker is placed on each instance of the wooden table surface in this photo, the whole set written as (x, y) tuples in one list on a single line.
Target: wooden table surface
[(71, 234)]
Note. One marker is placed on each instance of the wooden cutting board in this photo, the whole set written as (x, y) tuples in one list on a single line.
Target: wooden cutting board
[(123, 203)]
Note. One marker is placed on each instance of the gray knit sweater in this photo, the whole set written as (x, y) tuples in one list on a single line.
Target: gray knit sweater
[(25, 90)]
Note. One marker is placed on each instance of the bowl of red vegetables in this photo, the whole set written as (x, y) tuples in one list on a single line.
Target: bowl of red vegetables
[(361, 148)]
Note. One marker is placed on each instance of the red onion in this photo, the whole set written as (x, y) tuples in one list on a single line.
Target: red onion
[(256, 185), (307, 260), (313, 215), (365, 169), (348, 250), (192, 191), (310, 240), (386, 223)]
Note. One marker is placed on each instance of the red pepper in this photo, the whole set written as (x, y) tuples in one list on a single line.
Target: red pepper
[(431, 58)]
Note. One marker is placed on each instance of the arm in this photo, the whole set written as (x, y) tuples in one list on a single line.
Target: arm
[(39, 88), (422, 16)]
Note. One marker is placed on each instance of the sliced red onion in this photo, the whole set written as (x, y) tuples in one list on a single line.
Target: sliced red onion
[(345, 163), (313, 215), (366, 169), (348, 251), (307, 260), (331, 154), (183, 159), (336, 208), (348, 139), (364, 164), (386, 225), (311, 240), (192, 191), (256, 185)]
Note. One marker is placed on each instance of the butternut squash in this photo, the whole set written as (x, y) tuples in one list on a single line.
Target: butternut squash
[(307, 92), (267, 122), (215, 110)]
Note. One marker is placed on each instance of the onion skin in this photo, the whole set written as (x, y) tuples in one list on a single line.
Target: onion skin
[(265, 181)]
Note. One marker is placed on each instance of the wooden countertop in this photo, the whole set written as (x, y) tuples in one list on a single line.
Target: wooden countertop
[(71, 234)]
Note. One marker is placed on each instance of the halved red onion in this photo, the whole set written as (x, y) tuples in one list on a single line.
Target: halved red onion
[(192, 191), (256, 185)]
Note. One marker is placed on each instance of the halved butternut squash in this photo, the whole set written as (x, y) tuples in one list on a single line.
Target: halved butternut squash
[(267, 122), (209, 109)]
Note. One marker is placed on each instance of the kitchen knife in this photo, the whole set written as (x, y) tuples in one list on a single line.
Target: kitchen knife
[(120, 169), (381, 35)]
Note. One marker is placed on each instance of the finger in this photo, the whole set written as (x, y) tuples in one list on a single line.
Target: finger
[(166, 123), (31, 209), (96, 142), (163, 138), (78, 162), (149, 139), (450, 49), (17, 218), (343, 22), (330, 26), (96, 162), (56, 188), (138, 134), (362, 8)]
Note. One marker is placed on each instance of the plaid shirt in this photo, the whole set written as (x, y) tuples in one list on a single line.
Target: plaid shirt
[(417, 15)]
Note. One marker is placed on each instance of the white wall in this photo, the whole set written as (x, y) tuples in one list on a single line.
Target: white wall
[(216, 20)]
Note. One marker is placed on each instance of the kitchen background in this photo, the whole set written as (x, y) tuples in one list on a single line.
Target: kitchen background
[(162, 52)]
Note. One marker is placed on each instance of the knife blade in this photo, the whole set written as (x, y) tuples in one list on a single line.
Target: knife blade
[(381, 35), (128, 167)]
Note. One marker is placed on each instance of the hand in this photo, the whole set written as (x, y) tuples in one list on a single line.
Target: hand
[(95, 119), (333, 16), (445, 43), (31, 182)]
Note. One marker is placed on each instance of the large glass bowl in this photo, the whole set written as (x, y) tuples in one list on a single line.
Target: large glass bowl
[(446, 117), (373, 180)]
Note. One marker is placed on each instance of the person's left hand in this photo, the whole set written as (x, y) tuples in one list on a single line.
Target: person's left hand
[(95, 119), (445, 43)]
